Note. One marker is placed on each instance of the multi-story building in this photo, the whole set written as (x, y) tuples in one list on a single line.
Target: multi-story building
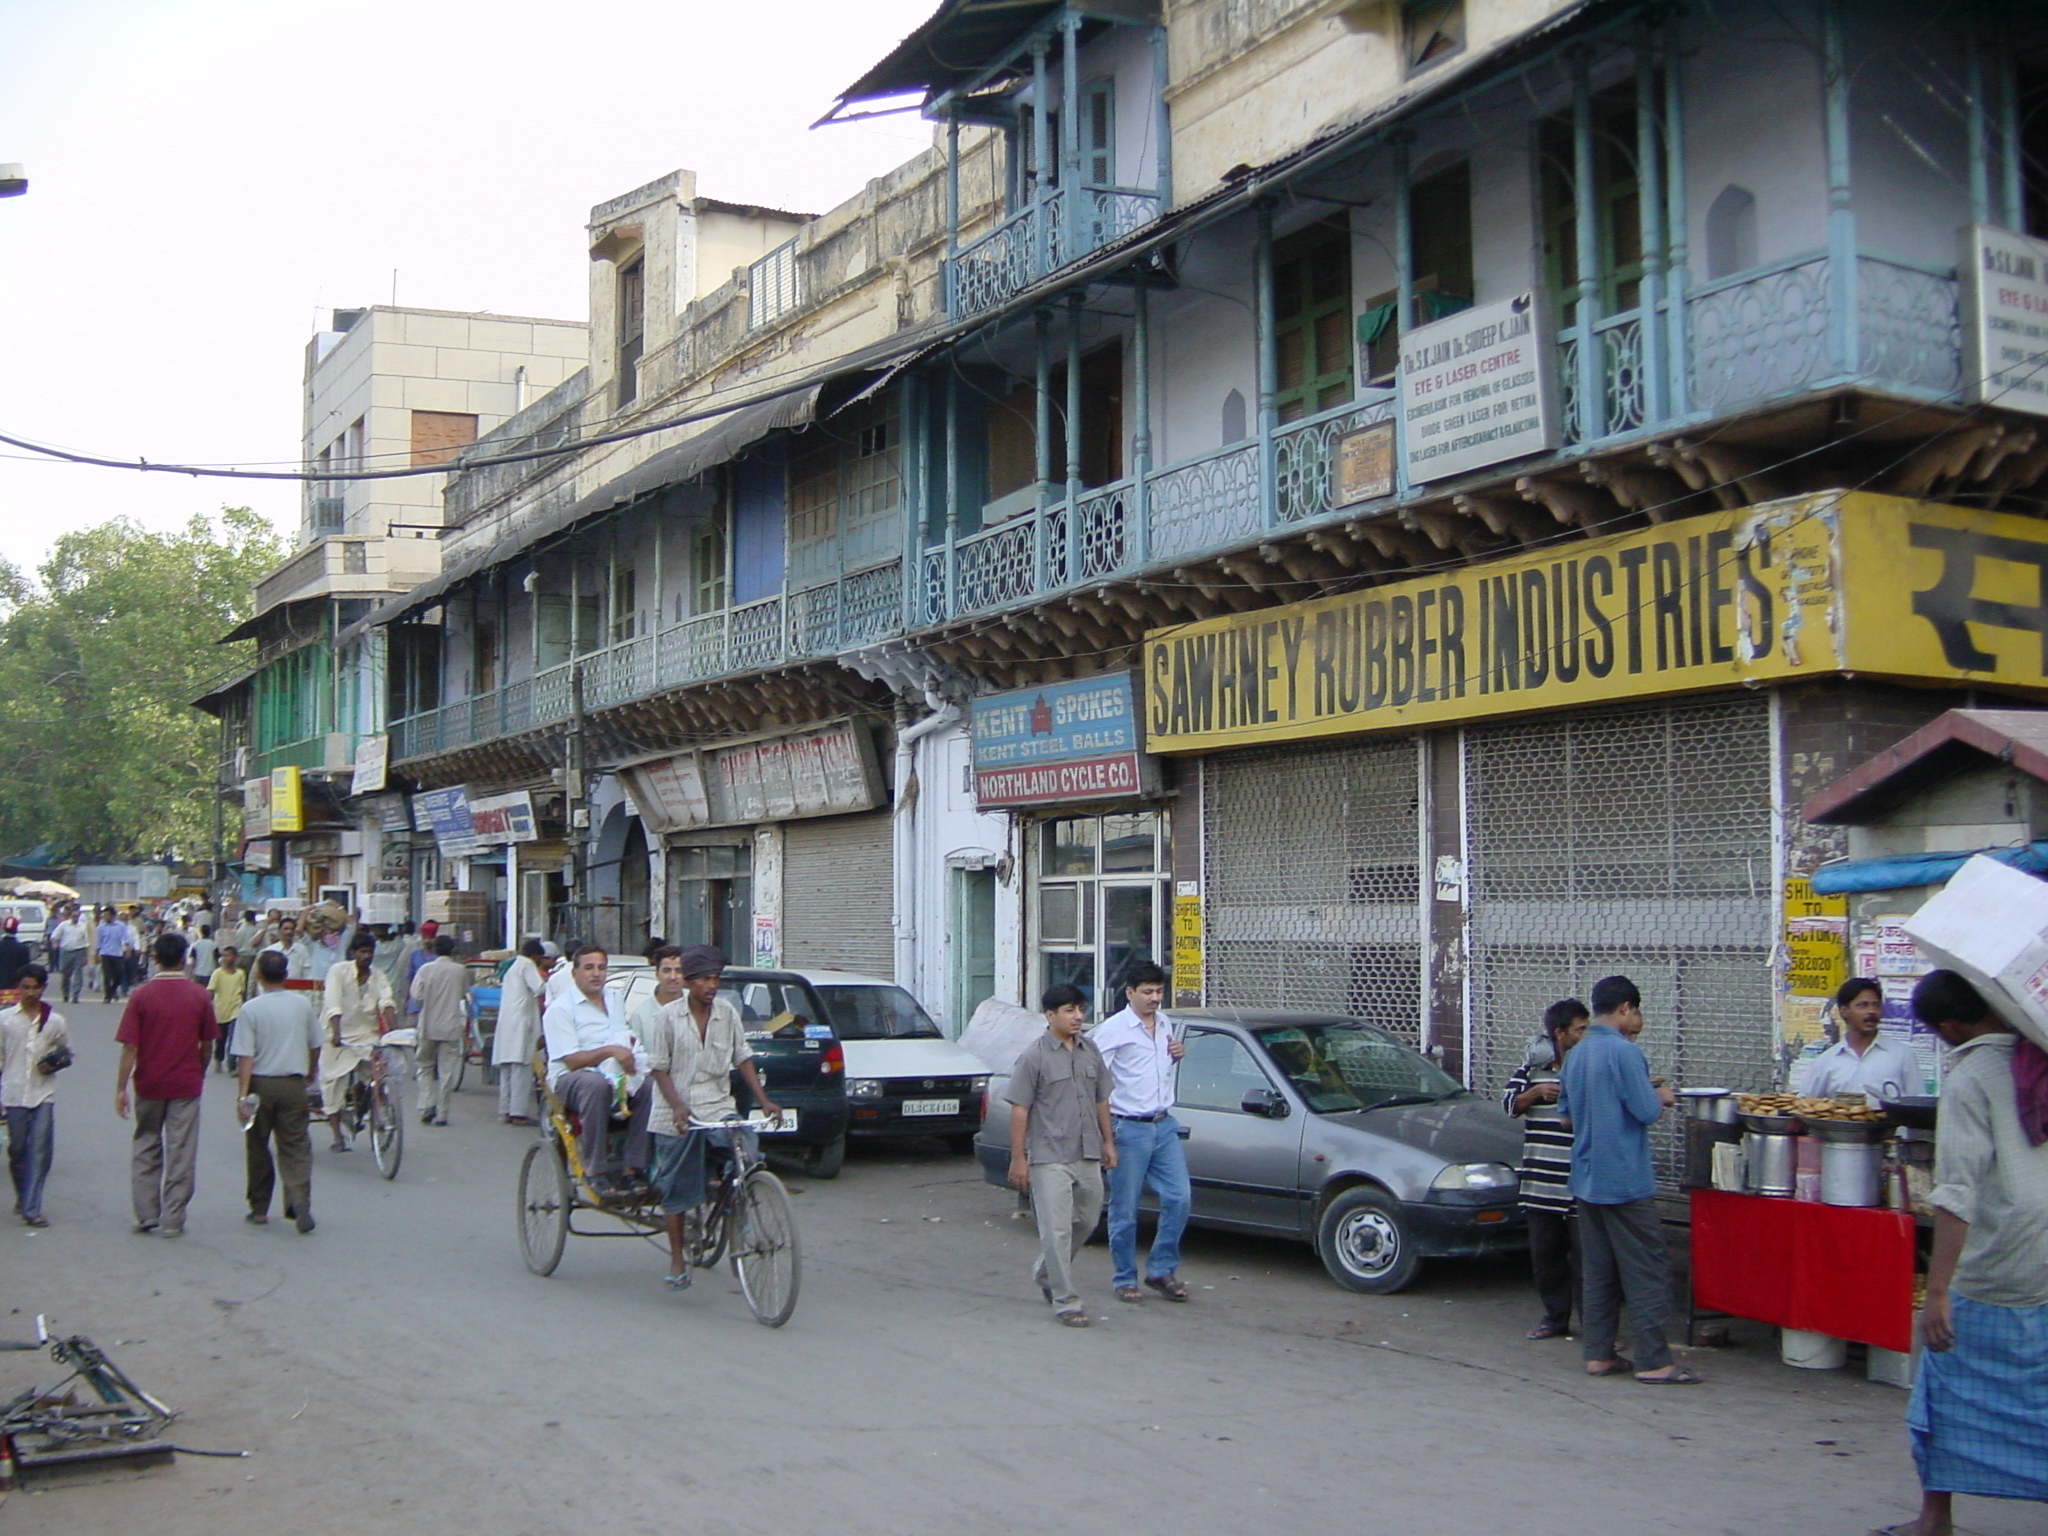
[(386, 388), (1389, 506)]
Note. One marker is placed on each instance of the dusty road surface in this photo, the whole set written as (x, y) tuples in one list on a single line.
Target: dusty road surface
[(399, 1371)]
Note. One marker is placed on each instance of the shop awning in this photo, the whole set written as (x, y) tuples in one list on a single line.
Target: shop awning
[(1951, 742), (1899, 872)]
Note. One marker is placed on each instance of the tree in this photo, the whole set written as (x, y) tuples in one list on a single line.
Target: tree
[(100, 658)]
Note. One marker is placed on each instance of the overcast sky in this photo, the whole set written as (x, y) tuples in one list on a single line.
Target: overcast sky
[(209, 177)]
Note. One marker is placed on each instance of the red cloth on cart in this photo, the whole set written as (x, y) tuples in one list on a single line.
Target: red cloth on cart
[(1840, 1270)]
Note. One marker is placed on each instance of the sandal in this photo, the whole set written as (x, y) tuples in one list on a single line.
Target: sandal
[(1129, 1293), (1681, 1376), (677, 1282), (1072, 1319), (1168, 1286), (1546, 1331), (1615, 1367)]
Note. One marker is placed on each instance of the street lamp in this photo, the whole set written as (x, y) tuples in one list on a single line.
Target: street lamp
[(13, 180)]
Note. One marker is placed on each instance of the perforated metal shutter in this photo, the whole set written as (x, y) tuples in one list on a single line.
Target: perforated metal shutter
[(1310, 880), (1635, 842), (837, 878)]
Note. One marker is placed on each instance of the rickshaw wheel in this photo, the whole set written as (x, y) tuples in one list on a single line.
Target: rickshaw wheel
[(543, 1207)]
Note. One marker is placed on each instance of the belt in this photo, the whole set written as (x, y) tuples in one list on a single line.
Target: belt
[(1157, 1114)]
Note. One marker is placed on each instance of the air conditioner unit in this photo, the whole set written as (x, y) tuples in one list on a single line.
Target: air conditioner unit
[(330, 514)]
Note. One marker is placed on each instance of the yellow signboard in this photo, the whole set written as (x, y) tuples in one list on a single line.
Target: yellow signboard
[(1816, 940), (1187, 946), (1817, 584), (287, 805)]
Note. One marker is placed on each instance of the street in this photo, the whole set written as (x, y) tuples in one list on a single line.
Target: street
[(400, 1371)]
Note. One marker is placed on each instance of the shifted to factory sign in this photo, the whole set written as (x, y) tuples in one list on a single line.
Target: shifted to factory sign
[(1838, 582), (1064, 741)]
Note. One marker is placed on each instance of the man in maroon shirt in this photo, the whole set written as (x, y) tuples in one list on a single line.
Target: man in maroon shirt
[(166, 1036)]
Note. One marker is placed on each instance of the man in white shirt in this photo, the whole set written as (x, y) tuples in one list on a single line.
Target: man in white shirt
[(1143, 1052), (1862, 1061), (695, 1045), (30, 1031), (298, 953), (592, 1052), (67, 946), (358, 1009), (204, 953)]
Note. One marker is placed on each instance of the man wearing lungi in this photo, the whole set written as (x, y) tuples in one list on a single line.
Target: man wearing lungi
[(1979, 1413)]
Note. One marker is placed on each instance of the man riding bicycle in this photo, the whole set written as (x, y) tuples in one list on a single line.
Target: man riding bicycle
[(697, 1043), (359, 1010)]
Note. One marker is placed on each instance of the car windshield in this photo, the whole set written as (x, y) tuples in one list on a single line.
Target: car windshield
[(875, 1013), (1345, 1065), (770, 1007)]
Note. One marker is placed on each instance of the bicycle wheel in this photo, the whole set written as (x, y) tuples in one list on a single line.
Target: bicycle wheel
[(387, 1130), (543, 1207), (461, 1068), (764, 1248)]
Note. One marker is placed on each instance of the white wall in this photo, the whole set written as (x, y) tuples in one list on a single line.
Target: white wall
[(1204, 345), (948, 826)]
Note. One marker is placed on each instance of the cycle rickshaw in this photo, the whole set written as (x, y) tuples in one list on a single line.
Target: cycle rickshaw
[(371, 1103), (746, 1217)]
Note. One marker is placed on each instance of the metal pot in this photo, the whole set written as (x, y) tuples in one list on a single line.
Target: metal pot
[(1849, 1172), (1772, 1160), (1716, 1104)]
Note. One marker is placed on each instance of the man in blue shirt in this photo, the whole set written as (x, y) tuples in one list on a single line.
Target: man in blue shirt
[(1606, 1098)]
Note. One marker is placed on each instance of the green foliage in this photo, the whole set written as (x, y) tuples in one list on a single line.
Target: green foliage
[(100, 658)]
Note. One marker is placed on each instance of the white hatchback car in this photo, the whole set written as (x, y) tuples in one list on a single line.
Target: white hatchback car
[(903, 1076)]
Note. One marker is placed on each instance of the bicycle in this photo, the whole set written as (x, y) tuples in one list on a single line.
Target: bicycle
[(746, 1217), (371, 1102)]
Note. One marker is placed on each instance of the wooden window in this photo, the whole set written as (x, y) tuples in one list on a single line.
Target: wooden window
[(625, 612), (1312, 321), (1617, 201), (1013, 442), (1098, 134), (632, 326), (437, 436), (483, 658), (1431, 30), (707, 567)]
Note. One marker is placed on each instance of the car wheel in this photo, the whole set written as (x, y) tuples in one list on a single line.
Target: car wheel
[(825, 1159), (1364, 1243)]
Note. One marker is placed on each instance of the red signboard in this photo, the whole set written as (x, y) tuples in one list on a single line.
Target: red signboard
[(1049, 783)]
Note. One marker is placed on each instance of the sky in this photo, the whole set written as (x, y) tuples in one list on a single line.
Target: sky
[(208, 178)]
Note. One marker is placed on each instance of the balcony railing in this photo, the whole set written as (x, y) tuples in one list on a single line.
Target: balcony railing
[(1038, 240), (818, 621)]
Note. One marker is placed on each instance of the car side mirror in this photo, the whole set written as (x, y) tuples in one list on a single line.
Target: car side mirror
[(1267, 1103)]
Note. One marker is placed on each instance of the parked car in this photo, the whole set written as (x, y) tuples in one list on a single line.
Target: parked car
[(798, 1058), (903, 1076), (1329, 1130), (32, 918)]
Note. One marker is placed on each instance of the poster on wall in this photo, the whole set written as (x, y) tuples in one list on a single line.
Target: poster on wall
[(2003, 304), (1476, 389), (445, 813), (503, 818), (287, 805), (1061, 742), (256, 807), (373, 758), (828, 770)]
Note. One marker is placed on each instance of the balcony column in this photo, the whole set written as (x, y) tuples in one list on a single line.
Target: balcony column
[(1651, 204), (952, 208), (1400, 142), (1041, 158), (1140, 542), (1268, 361), (1973, 118), (1592, 422), (1070, 137), (917, 497), (950, 511), (1841, 212), (1041, 537), (2009, 131), (1677, 278), (1162, 121), (1073, 407)]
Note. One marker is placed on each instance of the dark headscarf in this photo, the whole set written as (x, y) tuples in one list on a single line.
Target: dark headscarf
[(702, 960)]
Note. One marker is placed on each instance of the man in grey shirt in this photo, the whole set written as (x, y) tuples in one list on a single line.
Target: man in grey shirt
[(1060, 1143), (441, 992), (277, 1049)]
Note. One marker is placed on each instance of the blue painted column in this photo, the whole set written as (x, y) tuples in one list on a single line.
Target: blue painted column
[(1162, 128), (1678, 226), (951, 510), (1041, 163), (1138, 544), (1592, 422), (1073, 570), (1651, 232), (1268, 360), (1841, 213), (1071, 191), (1401, 142), (1041, 537), (1973, 119), (952, 209), (917, 499)]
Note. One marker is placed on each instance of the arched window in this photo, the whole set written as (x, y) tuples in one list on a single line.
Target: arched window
[(1731, 233)]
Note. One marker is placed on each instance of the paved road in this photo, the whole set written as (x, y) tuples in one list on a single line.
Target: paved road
[(400, 1371)]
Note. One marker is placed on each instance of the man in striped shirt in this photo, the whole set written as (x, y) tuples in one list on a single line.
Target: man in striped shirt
[(1547, 1168)]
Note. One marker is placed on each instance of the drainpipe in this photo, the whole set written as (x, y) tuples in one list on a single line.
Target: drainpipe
[(903, 826)]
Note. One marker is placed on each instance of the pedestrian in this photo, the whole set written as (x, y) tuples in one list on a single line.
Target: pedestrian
[(277, 1056), (1061, 1143), (113, 943), (1606, 1097), (1546, 1169), (298, 953), (167, 1031), (15, 956), (68, 951), (1980, 1397), (205, 954), (518, 1031), (391, 956), (595, 1061), (421, 952), (1862, 1061), (440, 990), (227, 986), (247, 937), (34, 1048), (696, 1043), (1143, 1051), (358, 1010)]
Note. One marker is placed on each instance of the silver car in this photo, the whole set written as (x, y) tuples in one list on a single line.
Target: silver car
[(1327, 1129)]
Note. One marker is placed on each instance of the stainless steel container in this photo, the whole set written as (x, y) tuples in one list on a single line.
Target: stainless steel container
[(1849, 1172), (1716, 1104), (1772, 1159)]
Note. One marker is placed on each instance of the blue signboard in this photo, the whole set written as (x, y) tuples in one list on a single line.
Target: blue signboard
[(445, 813), (1060, 742)]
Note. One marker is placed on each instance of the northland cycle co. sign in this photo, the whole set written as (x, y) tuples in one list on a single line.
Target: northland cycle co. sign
[(1840, 582), (1064, 741)]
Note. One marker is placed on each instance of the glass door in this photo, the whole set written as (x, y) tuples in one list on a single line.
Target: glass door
[(1100, 902)]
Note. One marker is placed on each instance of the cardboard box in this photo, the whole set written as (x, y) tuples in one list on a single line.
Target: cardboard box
[(1990, 922)]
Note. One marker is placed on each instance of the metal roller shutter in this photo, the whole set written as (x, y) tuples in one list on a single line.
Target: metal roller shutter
[(1310, 880), (1630, 841), (837, 880)]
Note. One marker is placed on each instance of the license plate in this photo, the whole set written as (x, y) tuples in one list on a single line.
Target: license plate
[(784, 1127), (931, 1106)]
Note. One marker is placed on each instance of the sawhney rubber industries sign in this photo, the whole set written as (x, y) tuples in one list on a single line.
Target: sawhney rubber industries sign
[(1063, 741)]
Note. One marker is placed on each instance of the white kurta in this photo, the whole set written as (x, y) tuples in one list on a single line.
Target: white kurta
[(518, 1014)]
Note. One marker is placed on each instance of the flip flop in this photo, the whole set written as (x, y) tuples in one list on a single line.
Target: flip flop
[(1614, 1367), (1168, 1286), (1682, 1376), (1546, 1331), (677, 1282), (1072, 1319)]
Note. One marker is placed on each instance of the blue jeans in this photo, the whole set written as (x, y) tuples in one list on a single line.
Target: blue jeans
[(31, 1139), (1147, 1152)]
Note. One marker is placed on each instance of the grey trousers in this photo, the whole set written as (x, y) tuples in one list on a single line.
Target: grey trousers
[(1622, 1258), (515, 1089), (72, 969), (435, 1063), (1067, 1200), (588, 1096), (165, 1150), (280, 1114)]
